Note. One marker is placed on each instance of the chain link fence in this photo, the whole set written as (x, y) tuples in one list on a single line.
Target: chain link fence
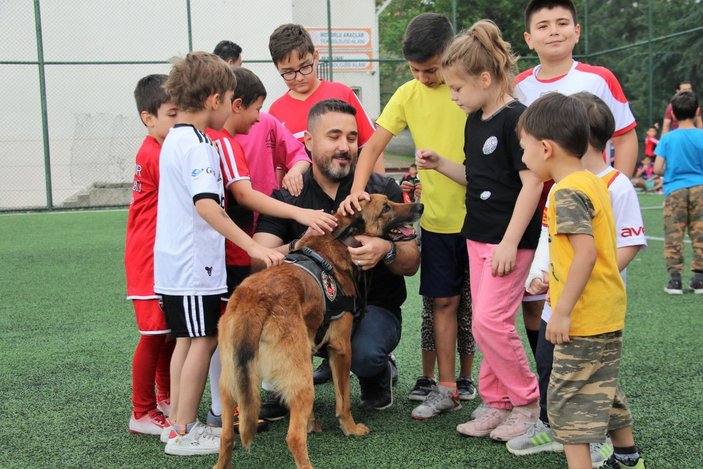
[(70, 129)]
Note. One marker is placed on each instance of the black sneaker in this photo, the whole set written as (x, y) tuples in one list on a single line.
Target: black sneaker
[(273, 409), (322, 373), (423, 387), (377, 392), (394, 368), (674, 286), (696, 285), (466, 388)]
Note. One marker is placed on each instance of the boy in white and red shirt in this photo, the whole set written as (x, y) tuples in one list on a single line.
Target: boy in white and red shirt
[(152, 356), (242, 199)]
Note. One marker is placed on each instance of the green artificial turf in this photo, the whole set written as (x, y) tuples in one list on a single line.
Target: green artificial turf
[(68, 334)]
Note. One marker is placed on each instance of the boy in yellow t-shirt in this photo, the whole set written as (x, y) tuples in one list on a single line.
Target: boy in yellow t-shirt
[(424, 106), (588, 298)]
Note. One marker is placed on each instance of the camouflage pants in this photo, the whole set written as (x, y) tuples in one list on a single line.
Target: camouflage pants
[(584, 399), (683, 210), (465, 344)]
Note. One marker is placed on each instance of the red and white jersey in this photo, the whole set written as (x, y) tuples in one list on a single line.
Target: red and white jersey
[(234, 168), (141, 222), (597, 80), (293, 113), (189, 255)]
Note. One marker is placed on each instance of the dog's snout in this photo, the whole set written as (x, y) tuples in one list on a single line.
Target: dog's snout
[(419, 208)]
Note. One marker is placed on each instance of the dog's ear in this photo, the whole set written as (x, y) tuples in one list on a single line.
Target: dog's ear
[(348, 226)]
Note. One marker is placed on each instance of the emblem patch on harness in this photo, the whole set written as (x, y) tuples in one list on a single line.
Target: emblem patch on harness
[(329, 286)]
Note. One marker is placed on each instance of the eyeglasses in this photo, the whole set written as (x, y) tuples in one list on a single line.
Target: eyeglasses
[(304, 70)]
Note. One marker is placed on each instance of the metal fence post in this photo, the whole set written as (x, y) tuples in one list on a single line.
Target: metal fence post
[(190, 28), (329, 40), (42, 100)]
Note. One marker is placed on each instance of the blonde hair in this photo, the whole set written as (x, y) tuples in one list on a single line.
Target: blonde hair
[(197, 76), (480, 49)]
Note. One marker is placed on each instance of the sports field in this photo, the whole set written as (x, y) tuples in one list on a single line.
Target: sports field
[(67, 336)]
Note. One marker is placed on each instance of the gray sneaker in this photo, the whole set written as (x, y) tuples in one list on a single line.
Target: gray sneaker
[(538, 439), (466, 388), (600, 452), (437, 402)]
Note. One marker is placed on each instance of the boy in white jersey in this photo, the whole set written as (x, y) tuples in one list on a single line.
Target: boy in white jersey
[(551, 30), (189, 251), (630, 238)]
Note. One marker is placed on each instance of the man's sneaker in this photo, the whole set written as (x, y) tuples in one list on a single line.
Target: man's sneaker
[(322, 373), (151, 423), (216, 421), (273, 409), (696, 285), (601, 452), (674, 287), (377, 392), (466, 388), (485, 424), (538, 439), (437, 402), (394, 368), (613, 463), (164, 406), (201, 439), (518, 422), (423, 387)]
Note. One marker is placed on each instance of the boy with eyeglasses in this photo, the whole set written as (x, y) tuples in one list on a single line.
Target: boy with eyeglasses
[(294, 55)]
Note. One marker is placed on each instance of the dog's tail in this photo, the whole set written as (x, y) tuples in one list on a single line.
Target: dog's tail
[(240, 367)]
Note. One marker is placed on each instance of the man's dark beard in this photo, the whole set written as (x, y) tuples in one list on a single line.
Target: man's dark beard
[(337, 177)]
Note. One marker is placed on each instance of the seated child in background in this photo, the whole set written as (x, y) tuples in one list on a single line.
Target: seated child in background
[(588, 298), (645, 177), (408, 183), (152, 357)]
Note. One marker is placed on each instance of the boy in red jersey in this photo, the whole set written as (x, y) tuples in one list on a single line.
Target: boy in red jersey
[(153, 353), (294, 55)]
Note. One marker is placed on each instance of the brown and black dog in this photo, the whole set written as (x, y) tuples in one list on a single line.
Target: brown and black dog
[(269, 328)]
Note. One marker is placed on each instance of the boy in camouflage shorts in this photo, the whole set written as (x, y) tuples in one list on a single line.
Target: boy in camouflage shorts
[(588, 299), (680, 160)]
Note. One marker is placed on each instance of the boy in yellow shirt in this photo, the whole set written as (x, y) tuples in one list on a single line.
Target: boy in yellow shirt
[(588, 298)]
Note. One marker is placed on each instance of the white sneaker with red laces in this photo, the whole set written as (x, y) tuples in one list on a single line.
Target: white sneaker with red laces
[(201, 439), (151, 423)]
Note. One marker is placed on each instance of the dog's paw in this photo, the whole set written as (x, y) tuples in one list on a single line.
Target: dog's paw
[(314, 427), (358, 429)]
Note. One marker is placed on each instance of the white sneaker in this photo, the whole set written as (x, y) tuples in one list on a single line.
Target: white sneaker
[(164, 406), (150, 424), (199, 440)]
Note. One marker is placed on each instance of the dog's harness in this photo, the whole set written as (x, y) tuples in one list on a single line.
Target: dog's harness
[(336, 304)]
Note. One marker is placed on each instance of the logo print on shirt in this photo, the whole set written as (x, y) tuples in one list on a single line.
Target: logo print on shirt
[(208, 269), (485, 195), (489, 146)]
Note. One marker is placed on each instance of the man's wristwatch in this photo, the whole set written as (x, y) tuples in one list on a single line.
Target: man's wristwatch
[(390, 256)]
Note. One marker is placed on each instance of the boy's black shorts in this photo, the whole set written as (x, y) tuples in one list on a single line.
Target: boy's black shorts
[(192, 316)]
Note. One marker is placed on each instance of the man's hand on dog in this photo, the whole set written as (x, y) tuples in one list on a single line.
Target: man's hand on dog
[(371, 251), (351, 204)]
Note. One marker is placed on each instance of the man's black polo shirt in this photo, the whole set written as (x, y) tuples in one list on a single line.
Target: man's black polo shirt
[(385, 289)]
